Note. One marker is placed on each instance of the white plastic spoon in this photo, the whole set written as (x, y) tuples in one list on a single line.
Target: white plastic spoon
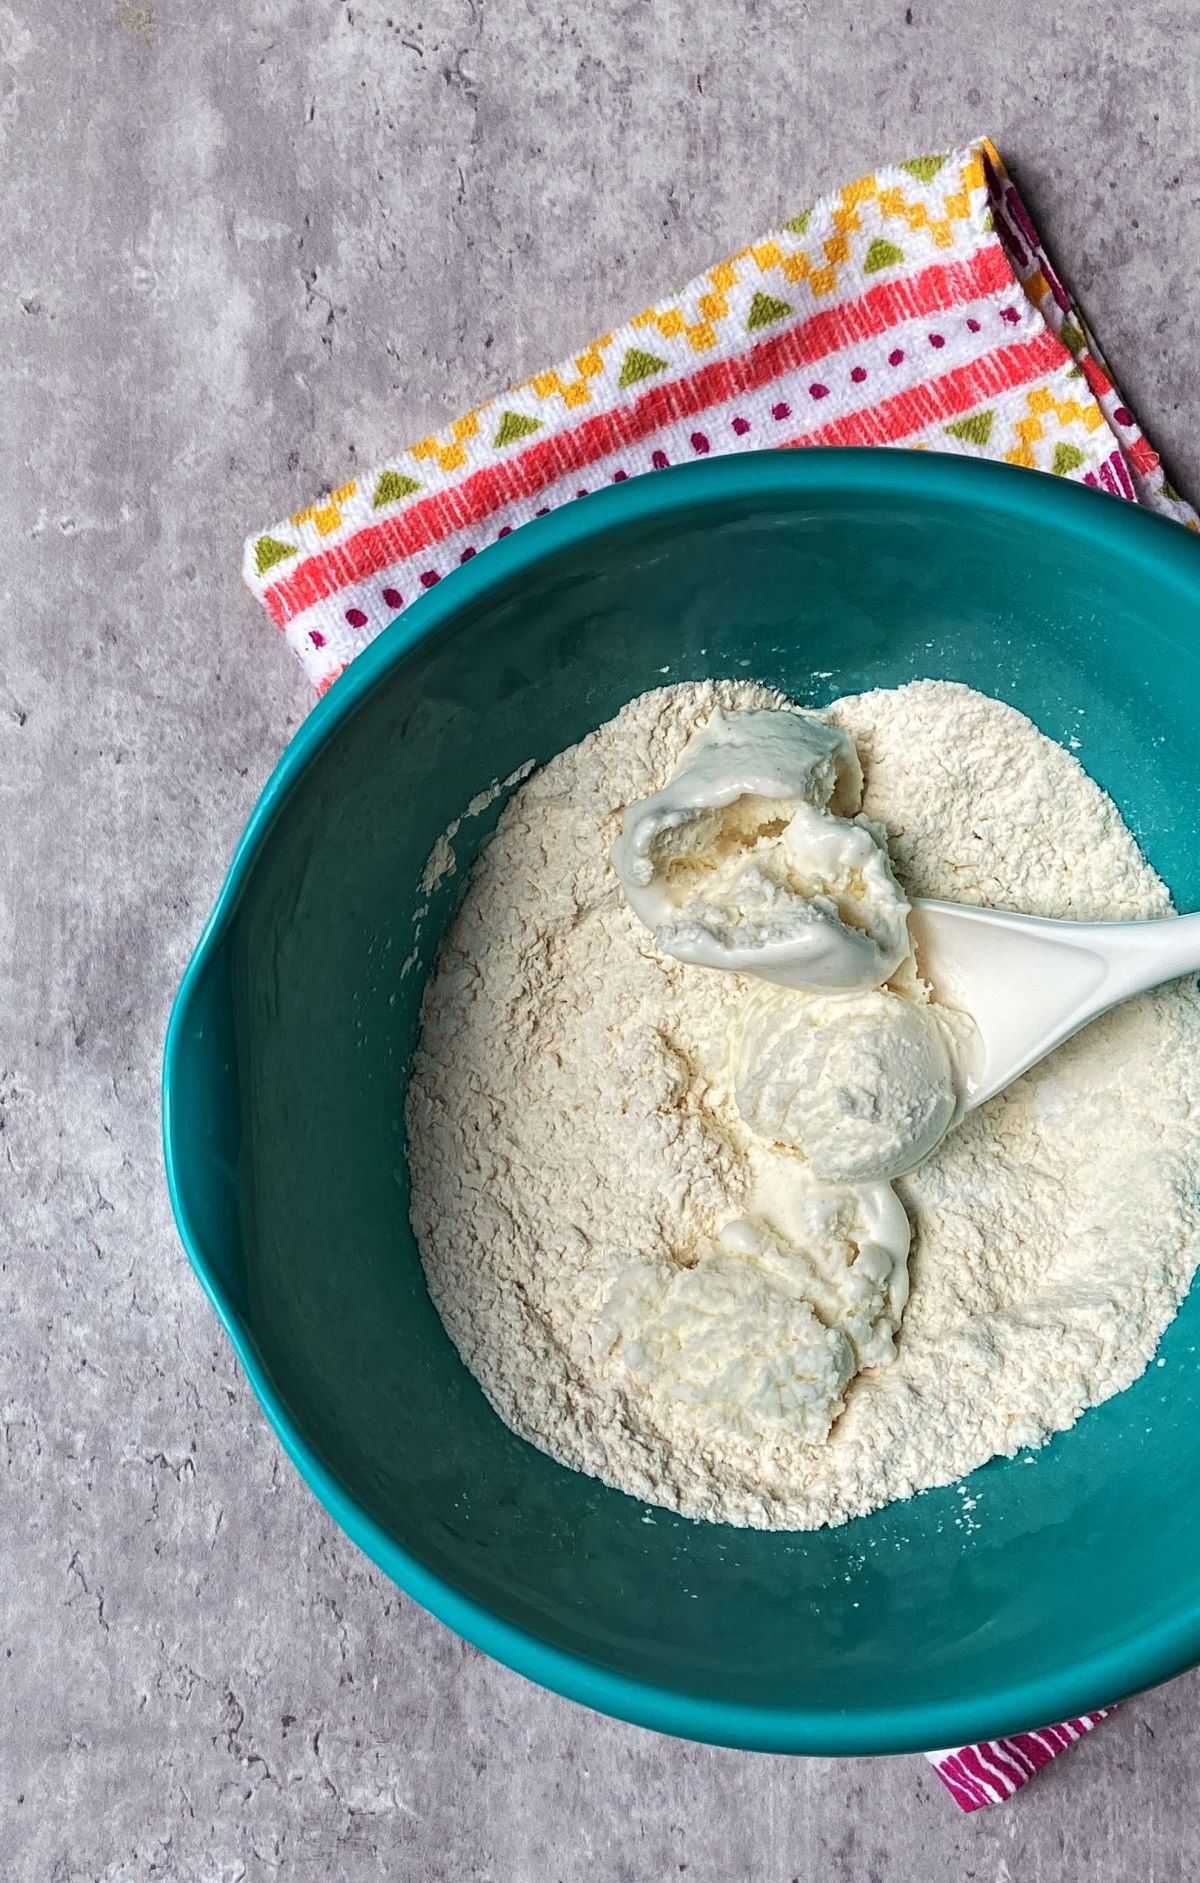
[(1029, 983)]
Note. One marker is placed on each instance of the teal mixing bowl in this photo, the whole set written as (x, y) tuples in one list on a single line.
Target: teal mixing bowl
[(1062, 1582)]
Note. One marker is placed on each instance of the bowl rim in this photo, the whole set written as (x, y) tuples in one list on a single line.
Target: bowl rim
[(1145, 1656)]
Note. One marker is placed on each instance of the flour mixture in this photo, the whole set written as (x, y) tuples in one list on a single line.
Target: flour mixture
[(663, 1268)]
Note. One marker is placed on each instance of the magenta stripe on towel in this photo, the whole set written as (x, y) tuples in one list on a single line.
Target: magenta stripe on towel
[(958, 1781), (988, 1773), (998, 1753)]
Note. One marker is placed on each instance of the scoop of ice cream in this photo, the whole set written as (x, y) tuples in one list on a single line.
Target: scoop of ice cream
[(740, 1344), (746, 859), (761, 754), (764, 1330), (863, 1085), (812, 906)]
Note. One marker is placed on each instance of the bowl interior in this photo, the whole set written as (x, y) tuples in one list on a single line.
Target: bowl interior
[(1035, 1582)]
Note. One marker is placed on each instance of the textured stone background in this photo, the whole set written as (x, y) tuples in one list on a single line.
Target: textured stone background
[(245, 249)]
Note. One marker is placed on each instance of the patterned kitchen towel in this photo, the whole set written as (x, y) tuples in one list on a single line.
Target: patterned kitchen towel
[(914, 307), (992, 1771)]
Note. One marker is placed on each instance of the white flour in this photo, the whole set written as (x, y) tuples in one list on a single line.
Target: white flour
[(569, 1134)]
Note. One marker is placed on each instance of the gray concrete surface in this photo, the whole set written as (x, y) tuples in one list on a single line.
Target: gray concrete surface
[(244, 249)]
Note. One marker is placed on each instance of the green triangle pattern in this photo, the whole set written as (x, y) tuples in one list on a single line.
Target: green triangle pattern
[(765, 308), (268, 550), (1071, 337), (1074, 372), (1067, 458), (975, 430), (514, 425), (924, 168), (799, 224), (393, 485), (638, 365), (882, 254), (1169, 490), (988, 223)]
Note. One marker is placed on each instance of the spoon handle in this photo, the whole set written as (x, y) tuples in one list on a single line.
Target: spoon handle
[(1145, 954), (1029, 982)]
